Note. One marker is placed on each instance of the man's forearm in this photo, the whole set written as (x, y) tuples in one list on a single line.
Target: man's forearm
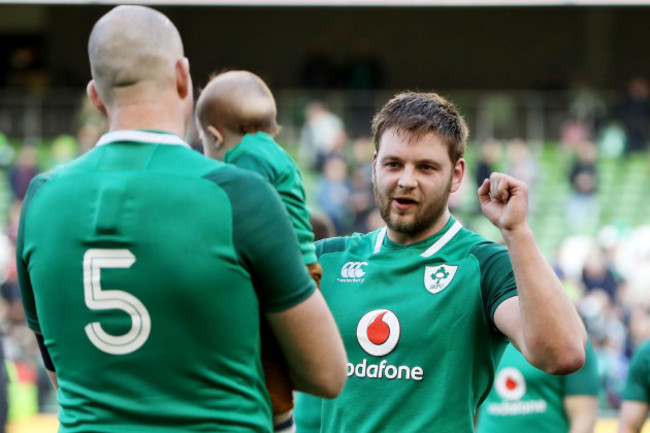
[(554, 336)]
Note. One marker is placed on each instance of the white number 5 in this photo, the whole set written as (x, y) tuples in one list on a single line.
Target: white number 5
[(98, 299)]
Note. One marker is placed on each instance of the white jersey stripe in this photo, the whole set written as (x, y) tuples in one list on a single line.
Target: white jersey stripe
[(443, 240), (455, 228), (141, 136), (380, 240)]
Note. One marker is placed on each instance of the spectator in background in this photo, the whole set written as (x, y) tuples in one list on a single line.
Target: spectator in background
[(526, 399), (605, 324), (334, 193), (362, 202), (523, 166), (597, 274), (7, 152), (25, 168), (323, 136), (638, 325), (488, 159), (572, 133), (586, 107), (582, 208), (635, 114)]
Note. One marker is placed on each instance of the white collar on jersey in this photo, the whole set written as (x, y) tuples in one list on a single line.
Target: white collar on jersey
[(141, 136), (437, 245)]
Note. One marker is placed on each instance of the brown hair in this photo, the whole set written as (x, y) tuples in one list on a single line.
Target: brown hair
[(420, 113)]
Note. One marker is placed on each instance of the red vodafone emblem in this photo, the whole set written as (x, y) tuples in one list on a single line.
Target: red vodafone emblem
[(378, 332), (510, 384)]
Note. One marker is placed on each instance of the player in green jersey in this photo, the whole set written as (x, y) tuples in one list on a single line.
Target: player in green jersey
[(636, 396), (525, 398), (425, 306), (144, 265), (236, 118)]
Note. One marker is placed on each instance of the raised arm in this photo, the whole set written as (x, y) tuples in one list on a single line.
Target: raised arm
[(541, 322)]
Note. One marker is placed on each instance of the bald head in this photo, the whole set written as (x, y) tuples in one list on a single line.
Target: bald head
[(237, 101), (133, 47)]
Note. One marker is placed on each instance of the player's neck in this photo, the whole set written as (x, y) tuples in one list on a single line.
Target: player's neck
[(152, 116)]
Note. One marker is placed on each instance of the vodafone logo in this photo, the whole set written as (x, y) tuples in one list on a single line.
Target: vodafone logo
[(510, 384), (378, 332)]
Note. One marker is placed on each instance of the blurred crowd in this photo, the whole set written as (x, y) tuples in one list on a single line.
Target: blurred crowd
[(604, 266)]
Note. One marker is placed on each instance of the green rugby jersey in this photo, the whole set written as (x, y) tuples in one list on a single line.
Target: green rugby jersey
[(261, 154), (637, 387), (417, 325), (145, 265), (526, 399)]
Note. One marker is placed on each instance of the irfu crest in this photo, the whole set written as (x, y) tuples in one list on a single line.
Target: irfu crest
[(437, 278)]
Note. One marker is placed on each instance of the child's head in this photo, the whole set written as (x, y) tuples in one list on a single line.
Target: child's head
[(233, 104)]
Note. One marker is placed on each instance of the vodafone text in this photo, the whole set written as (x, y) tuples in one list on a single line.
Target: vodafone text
[(382, 370)]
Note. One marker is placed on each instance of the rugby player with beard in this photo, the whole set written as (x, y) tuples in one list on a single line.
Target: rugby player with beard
[(426, 306)]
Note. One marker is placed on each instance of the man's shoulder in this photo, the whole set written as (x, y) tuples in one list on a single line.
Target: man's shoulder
[(231, 175), (478, 245)]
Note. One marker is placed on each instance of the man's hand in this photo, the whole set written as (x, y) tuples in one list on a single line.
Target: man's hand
[(504, 201)]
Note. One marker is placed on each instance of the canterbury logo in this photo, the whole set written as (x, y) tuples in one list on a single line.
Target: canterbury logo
[(353, 270)]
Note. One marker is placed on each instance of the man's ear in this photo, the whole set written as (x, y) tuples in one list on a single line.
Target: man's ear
[(218, 136), (91, 91), (374, 166), (457, 175), (183, 78)]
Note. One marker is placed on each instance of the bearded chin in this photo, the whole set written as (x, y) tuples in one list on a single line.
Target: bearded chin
[(413, 226), (419, 222)]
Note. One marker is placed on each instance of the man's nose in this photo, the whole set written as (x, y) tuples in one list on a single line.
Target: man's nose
[(407, 179)]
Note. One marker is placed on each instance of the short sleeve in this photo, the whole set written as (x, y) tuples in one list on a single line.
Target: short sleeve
[(497, 277), (265, 240), (24, 280)]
